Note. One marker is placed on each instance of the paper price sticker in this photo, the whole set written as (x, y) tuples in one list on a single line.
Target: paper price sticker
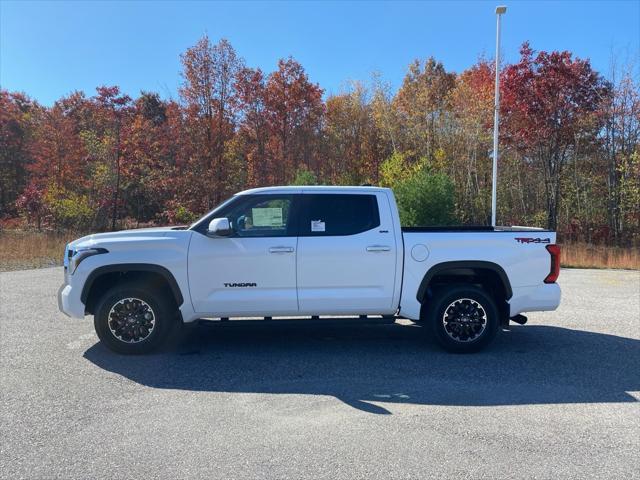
[(317, 226), (267, 217)]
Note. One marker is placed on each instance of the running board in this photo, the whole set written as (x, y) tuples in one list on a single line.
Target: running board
[(313, 321)]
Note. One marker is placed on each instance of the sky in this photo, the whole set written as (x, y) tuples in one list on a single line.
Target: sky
[(50, 49)]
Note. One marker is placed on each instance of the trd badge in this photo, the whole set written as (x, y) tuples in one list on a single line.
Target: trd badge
[(532, 240)]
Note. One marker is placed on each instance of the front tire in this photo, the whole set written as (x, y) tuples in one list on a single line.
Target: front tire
[(131, 319), (463, 319)]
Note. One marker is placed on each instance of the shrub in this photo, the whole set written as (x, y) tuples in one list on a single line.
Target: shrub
[(31, 205), (69, 210), (305, 177), (177, 214), (426, 199)]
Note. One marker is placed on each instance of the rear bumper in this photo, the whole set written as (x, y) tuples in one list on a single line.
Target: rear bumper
[(538, 298), (69, 301)]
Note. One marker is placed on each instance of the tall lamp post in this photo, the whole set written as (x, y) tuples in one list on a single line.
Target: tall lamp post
[(496, 118)]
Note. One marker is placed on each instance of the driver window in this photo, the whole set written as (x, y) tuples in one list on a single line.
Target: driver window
[(265, 216)]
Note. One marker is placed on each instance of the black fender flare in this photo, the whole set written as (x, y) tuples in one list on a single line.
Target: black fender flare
[(132, 267), (463, 264)]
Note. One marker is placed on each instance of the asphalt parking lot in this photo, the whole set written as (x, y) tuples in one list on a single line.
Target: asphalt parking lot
[(557, 398)]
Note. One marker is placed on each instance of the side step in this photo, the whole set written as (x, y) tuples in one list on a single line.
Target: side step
[(520, 319), (314, 320)]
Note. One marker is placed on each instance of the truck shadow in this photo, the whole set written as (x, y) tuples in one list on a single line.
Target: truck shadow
[(390, 364)]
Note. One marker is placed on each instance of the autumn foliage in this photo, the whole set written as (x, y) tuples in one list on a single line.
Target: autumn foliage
[(569, 138)]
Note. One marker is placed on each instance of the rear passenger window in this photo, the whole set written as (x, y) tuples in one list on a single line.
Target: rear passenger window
[(329, 214)]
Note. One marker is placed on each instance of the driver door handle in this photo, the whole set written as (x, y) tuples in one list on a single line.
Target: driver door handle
[(280, 249), (378, 248)]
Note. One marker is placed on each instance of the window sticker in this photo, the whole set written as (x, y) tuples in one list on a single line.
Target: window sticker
[(267, 217), (317, 226)]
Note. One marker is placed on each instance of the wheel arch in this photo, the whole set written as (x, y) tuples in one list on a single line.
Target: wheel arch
[(465, 269), (108, 275)]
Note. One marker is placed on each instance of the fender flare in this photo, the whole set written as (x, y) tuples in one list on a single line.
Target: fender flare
[(464, 264), (132, 267)]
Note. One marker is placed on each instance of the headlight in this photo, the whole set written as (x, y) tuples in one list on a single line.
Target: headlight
[(79, 255), (65, 260)]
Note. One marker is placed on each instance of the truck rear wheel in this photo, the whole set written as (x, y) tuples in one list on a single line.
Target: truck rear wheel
[(463, 319), (132, 319)]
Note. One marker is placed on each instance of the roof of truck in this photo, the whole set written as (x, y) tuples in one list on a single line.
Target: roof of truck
[(315, 188)]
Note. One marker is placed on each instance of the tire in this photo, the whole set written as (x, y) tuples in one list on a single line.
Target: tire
[(463, 319), (132, 320)]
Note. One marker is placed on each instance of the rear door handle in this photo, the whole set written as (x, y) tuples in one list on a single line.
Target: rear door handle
[(280, 249), (378, 248)]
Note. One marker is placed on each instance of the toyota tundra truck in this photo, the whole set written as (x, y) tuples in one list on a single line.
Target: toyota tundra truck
[(309, 252)]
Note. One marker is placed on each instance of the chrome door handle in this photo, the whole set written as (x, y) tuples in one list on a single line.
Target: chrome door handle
[(378, 248), (280, 249)]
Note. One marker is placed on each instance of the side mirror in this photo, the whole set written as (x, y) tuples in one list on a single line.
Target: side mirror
[(219, 227)]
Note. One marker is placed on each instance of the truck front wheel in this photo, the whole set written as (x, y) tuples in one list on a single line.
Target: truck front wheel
[(463, 319), (132, 319)]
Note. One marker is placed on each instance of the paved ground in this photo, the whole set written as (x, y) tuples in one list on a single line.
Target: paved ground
[(557, 398)]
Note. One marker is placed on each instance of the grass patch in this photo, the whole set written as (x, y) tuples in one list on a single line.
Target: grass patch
[(584, 255), (20, 250)]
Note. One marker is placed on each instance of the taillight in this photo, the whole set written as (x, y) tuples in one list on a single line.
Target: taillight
[(554, 272)]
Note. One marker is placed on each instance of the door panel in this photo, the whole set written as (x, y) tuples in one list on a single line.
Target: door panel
[(253, 271), (342, 273), (240, 276)]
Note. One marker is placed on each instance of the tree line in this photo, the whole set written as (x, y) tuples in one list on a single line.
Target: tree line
[(570, 150)]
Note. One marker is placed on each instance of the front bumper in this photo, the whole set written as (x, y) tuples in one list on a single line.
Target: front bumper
[(69, 301)]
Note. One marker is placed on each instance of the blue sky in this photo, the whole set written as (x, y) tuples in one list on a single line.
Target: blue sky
[(49, 49)]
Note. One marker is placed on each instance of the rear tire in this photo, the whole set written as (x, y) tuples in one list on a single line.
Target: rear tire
[(463, 319), (132, 320)]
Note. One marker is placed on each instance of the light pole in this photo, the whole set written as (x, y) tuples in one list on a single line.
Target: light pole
[(496, 118)]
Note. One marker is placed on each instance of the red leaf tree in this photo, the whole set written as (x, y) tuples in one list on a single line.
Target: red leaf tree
[(294, 110), (550, 102)]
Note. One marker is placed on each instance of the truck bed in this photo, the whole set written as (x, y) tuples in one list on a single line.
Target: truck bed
[(471, 228)]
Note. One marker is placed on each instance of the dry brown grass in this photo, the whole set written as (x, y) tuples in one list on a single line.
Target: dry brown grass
[(584, 255), (21, 250)]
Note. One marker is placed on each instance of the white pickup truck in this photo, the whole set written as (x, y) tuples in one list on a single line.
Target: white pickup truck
[(309, 252)]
